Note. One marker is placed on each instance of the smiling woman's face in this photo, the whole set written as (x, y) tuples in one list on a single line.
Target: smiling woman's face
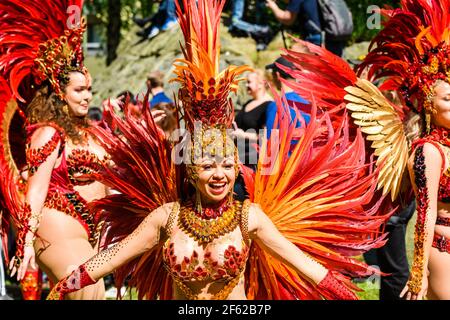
[(215, 178), (78, 94)]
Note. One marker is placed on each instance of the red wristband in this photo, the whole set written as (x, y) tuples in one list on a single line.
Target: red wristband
[(334, 289)]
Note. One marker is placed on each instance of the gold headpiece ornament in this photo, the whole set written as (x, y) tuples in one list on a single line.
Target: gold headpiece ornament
[(58, 57)]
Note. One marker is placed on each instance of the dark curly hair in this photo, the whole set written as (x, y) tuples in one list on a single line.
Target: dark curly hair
[(46, 106)]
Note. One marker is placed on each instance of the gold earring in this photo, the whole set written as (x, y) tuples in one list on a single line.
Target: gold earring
[(230, 197), (66, 109), (428, 122), (198, 202)]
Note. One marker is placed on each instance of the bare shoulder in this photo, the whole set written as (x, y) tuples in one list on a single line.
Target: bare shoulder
[(432, 156), (255, 216), (163, 212), (432, 150), (42, 136)]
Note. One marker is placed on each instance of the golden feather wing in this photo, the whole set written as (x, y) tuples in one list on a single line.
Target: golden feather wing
[(384, 127)]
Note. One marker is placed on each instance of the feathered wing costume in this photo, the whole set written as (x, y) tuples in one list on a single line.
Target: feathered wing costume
[(408, 56), (39, 41), (313, 182), (11, 199)]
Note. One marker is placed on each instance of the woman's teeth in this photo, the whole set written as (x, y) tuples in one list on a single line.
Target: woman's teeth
[(217, 185), (217, 188)]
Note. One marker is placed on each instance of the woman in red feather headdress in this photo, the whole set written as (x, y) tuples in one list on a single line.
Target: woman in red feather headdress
[(177, 233), (43, 79), (411, 55)]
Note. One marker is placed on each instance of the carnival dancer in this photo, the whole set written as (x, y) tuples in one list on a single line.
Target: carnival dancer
[(41, 59), (176, 229), (411, 57), (413, 53)]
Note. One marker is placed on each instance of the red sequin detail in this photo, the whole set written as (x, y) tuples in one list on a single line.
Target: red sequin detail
[(77, 280), (190, 269), (82, 162), (335, 290), (73, 205), (22, 230), (441, 243), (36, 157), (441, 221), (213, 212)]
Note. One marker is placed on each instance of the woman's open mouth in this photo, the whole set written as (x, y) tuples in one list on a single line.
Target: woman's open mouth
[(217, 188)]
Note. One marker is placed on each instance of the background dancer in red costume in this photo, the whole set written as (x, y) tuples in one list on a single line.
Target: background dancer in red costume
[(411, 57), (46, 83)]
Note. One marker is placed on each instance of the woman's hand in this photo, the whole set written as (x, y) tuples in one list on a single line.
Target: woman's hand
[(158, 116), (115, 104), (410, 295), (238, 133), (271, 4), (21, 268)]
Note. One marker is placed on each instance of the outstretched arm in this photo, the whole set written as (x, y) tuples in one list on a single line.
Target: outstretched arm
[(142, 239), (425, 170), (263, 230)]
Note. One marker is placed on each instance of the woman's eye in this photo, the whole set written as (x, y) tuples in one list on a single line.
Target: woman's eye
[(207, 167)]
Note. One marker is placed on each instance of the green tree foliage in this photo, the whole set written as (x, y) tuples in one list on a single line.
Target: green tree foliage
[(116, 18), (129, 8), (362, 31)]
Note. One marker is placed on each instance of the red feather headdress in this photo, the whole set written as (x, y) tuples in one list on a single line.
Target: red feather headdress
[(412, 51), (204, 90), (39, 41)]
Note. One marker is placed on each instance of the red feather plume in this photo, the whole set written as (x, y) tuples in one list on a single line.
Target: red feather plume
[(24, 26)]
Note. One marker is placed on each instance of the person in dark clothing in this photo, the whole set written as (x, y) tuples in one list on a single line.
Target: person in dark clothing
[(248, 123), (306, 16), (252, 118), (304, 12), (260, 31), (392, 258)]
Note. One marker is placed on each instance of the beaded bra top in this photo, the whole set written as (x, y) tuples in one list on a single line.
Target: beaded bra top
[(82, 163), (200, 255)]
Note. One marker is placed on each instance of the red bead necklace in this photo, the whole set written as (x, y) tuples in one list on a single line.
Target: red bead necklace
[(441, 135), (213, 212)]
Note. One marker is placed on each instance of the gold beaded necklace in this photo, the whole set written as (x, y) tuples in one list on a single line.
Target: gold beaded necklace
[(206, 230)]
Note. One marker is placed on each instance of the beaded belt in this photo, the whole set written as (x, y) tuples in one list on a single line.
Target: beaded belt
[(441, 221), (75, 206), (441, 243)]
